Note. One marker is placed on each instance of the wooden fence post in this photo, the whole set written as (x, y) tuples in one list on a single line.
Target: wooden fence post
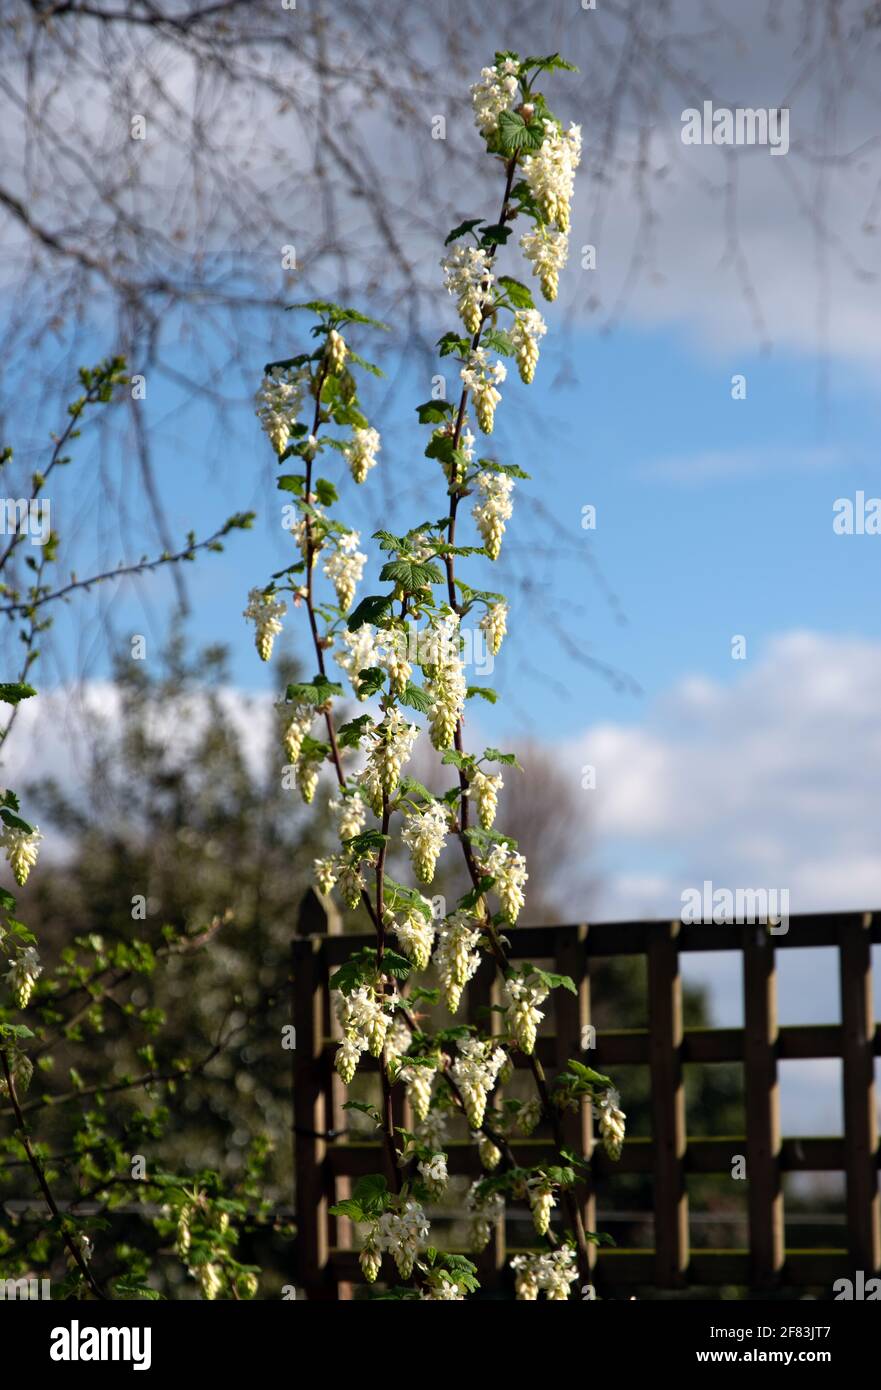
[(764, 1195), (571, 1016), (860, 1114), (668, 1106)]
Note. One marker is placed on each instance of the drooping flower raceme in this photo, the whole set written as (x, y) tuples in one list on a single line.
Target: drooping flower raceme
[(361, 451), (541, 1198), (550, 172), (344, 568), (393, 744), (277, 405), (456, 957), (21, 847), (358, 653), (337, 352), (547, 250), (475, 1072), (296, 723), (493, 510), (484, 1210), (424, 834), (446, 685), (415, 933), (482, 378), (467, 275), (434, 1173), (495, 624), (508, 868), (494, 93), (350, 813), (418, 1079), (552, 1273), (265, 612), (611, 1121), (529, 327), (364, 1017), (485, 788), (524, 1016), (22, 975), (403, 1234)]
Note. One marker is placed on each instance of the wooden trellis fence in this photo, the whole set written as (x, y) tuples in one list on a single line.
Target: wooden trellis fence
[(326, 1263)]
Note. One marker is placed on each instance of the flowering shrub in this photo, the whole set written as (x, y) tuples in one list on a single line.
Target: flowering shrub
[(401, 647)]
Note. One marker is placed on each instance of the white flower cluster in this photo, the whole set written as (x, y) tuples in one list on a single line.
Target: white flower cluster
[(442, 1288), (456, 957), (546, 249), (393, 743), (611, 1121), (541, 1198), (475, 1071), (419, 1079), (524, 1016), (446, 685), (495, 624), (490, 1155), (528, 1116), (508, 868), (22, 975), (350, 813), (485, 787), (528, 328), (415, 933), (550, 172), (550, 1273), (482, 378), (364, 1017), (483, 1211), (361, 451), (434, 1174), (494, 509), (308, 768), (265, 612), (296, 722), (366, 647), (403, 1234), (337, 352), (277, 404), (344, 568), (494, 93), (21, 848), (467, 275), (424, 834)]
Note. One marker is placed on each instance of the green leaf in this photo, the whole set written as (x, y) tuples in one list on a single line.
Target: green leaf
[(492, 755), (434, 412), (292, 482), (410, 575), (453, 344), (463, 761), (499, 341), (463, 229), (510, 469), (15, 692), (349, 735), (495, 235), (314, 692), (371, 680), (518, 294), (484, 691), (337, 313), (365, 842), (549, 64), (371, 609), (397, 965), (414, 697), (326, 492), (470, 900), (515, 135)]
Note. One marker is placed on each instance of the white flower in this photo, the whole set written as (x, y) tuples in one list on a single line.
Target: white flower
[(551, 1272), (550, 172), (415, 933), (209, 1279), (393, 743), (361, 451), (308, 769), (529, 327), (265, 612), (297, 722), (481, 378), (391, 655), (22, 975), (326, 873), (347, 1057), (350, 884), (364, 1019), (403, 1234), (546, 249), (434, 1173), (456, 957), (612, 1122), (528, 1116), (424, 834), (475, 1072), (418, 1080), (432, 1131), (445, 685), (442, 1288), (490, 1155), (350, 813), (344, 568), (467, 275), (485, 787), (495, 624), (484, 1211), (524, 1016), (494, 93), (277, 403), (21, 850), (397, 1040), (508, 868), (541, 1199), (494, 509), (357, 654), (337, 352), (370, 1257)]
